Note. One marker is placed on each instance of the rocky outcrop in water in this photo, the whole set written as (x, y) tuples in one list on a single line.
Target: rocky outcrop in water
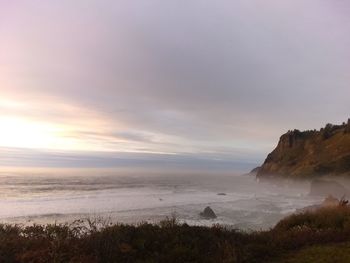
[(208, 213), (310, 153)]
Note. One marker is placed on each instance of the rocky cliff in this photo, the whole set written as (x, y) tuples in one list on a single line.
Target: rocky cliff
[(310, 153)]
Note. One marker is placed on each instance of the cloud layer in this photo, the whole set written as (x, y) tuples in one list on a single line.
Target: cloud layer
[(224, 78)]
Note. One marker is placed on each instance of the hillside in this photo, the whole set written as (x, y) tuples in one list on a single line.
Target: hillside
[(310, 153)]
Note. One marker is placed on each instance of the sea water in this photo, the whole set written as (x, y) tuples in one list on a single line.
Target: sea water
[(63, 195)]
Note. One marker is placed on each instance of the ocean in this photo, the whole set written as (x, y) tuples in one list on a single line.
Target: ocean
[(33, 195)]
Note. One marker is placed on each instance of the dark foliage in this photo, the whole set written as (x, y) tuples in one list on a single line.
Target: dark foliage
[(169, 241)]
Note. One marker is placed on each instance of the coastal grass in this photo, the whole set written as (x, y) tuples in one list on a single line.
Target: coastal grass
[(304, 237)]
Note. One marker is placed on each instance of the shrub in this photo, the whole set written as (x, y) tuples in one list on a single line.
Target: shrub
[(169, 241)]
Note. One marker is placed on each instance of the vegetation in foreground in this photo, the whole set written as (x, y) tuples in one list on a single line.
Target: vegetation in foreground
[(321, 236)]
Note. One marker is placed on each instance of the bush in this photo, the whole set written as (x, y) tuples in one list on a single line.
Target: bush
[(169, 241)]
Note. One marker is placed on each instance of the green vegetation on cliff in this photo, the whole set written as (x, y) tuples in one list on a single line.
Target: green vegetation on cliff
[(311, 153), (295, 239)]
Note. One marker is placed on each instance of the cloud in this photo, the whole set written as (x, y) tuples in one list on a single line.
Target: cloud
[(164, 163), (134, 136), (178, 76)]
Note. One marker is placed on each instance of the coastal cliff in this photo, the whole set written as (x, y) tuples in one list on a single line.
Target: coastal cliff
[(310, 153)]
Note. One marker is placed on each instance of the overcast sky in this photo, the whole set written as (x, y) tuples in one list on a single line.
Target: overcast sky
[(219, 79)]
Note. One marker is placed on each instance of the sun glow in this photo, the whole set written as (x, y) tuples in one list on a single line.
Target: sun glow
[(10, 104), (62, 126), (71, 128), (23, 133)]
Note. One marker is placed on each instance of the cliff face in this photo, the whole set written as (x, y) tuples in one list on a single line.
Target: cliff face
[(310, 153)]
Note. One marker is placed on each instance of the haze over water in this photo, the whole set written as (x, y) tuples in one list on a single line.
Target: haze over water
[(63, 195)]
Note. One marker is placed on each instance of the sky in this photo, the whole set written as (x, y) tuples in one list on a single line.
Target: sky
[(216, 81)]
